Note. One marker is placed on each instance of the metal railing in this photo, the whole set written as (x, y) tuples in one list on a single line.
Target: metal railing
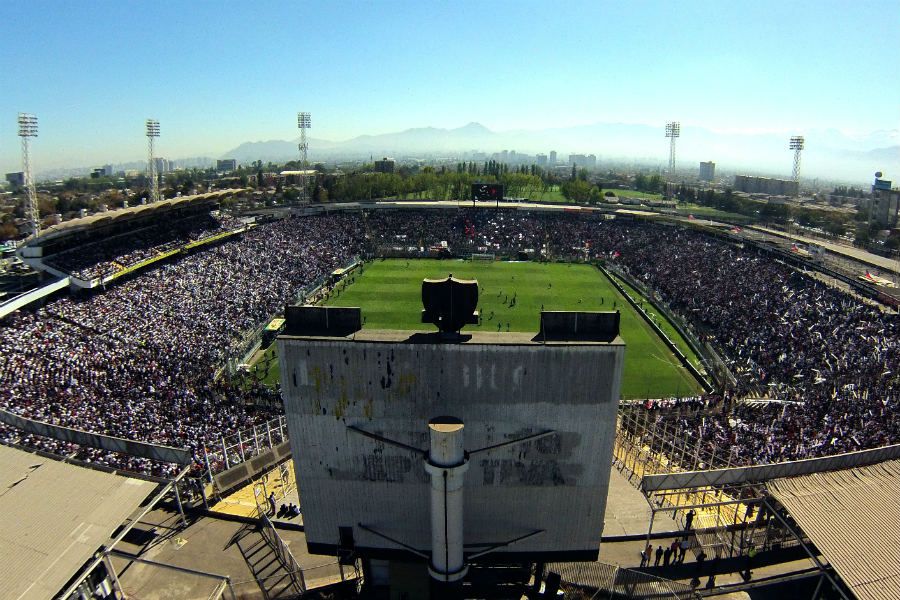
[(282, 552), (712, 363), (303, 579), (244, 445)]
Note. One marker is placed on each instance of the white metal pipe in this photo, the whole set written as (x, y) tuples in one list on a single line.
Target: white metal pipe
[(447, 465)]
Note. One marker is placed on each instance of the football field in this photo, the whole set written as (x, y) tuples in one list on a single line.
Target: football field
[(511, 297)]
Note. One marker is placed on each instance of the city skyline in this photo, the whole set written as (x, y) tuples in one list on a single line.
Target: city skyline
[(216, 78)]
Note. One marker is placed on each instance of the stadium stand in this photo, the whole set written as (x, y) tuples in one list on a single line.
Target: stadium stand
[(108, 256), (139, 359)]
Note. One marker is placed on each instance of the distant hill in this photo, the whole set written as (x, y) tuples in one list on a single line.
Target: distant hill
[(417, 140), (829, 153), (272, 150)]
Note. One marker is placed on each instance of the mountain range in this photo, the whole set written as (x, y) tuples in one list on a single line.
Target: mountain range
[(828, 153)]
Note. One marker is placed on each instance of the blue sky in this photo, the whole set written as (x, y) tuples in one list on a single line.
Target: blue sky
[(216, 74)]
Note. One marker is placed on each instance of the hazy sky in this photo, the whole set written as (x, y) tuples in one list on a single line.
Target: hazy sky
[(216, 74)]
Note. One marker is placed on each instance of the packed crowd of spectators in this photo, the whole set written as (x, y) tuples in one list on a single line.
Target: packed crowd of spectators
[(830, 361), (111, 254), (138, 360)]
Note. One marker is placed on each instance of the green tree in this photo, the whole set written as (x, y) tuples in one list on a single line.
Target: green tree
[(576, 190), (640, 182)]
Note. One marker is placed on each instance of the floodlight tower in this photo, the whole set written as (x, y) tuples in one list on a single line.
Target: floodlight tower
[(28, 128), (303, 122), (152, 132), (673, 132), (797, 146)]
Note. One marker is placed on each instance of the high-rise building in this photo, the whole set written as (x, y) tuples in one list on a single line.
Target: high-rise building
[(16, 180), (885, 204), (226, 165), (162, 165), (707, 171), (553, 158), (588, 161), (385, 165), (766, 185), (541, 160)]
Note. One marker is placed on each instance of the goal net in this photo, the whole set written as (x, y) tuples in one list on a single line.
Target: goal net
[(485, 257)]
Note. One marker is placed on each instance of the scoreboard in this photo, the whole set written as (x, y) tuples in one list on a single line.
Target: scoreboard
[(487, 191)]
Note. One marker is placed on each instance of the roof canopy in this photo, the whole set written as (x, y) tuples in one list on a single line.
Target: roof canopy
[(122, 214), (55, 516), (853, 518)]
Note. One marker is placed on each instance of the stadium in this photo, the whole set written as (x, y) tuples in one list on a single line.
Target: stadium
[(748, 367)]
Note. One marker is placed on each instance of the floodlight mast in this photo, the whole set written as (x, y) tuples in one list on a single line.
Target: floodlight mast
[(673, 132), (304, 123), (796, 145), (152, 132), (28, 128)]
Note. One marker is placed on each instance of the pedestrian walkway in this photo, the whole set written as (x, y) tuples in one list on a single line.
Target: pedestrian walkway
[(627, 511), (220, 547), (243, 502), (690, 571)]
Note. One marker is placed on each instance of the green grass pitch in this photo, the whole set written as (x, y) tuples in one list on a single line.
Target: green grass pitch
[(389, 293)]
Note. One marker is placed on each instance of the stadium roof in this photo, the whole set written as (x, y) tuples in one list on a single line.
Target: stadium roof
[(853, 518), (121, 214), (55, 516)]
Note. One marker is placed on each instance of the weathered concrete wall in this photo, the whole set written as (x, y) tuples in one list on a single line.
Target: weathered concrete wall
[(501, 391)]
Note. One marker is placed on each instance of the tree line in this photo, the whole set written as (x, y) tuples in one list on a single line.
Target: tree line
[(430, 183)]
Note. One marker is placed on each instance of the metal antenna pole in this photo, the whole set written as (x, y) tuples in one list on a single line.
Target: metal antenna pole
[(152, 132), (28, 128)]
